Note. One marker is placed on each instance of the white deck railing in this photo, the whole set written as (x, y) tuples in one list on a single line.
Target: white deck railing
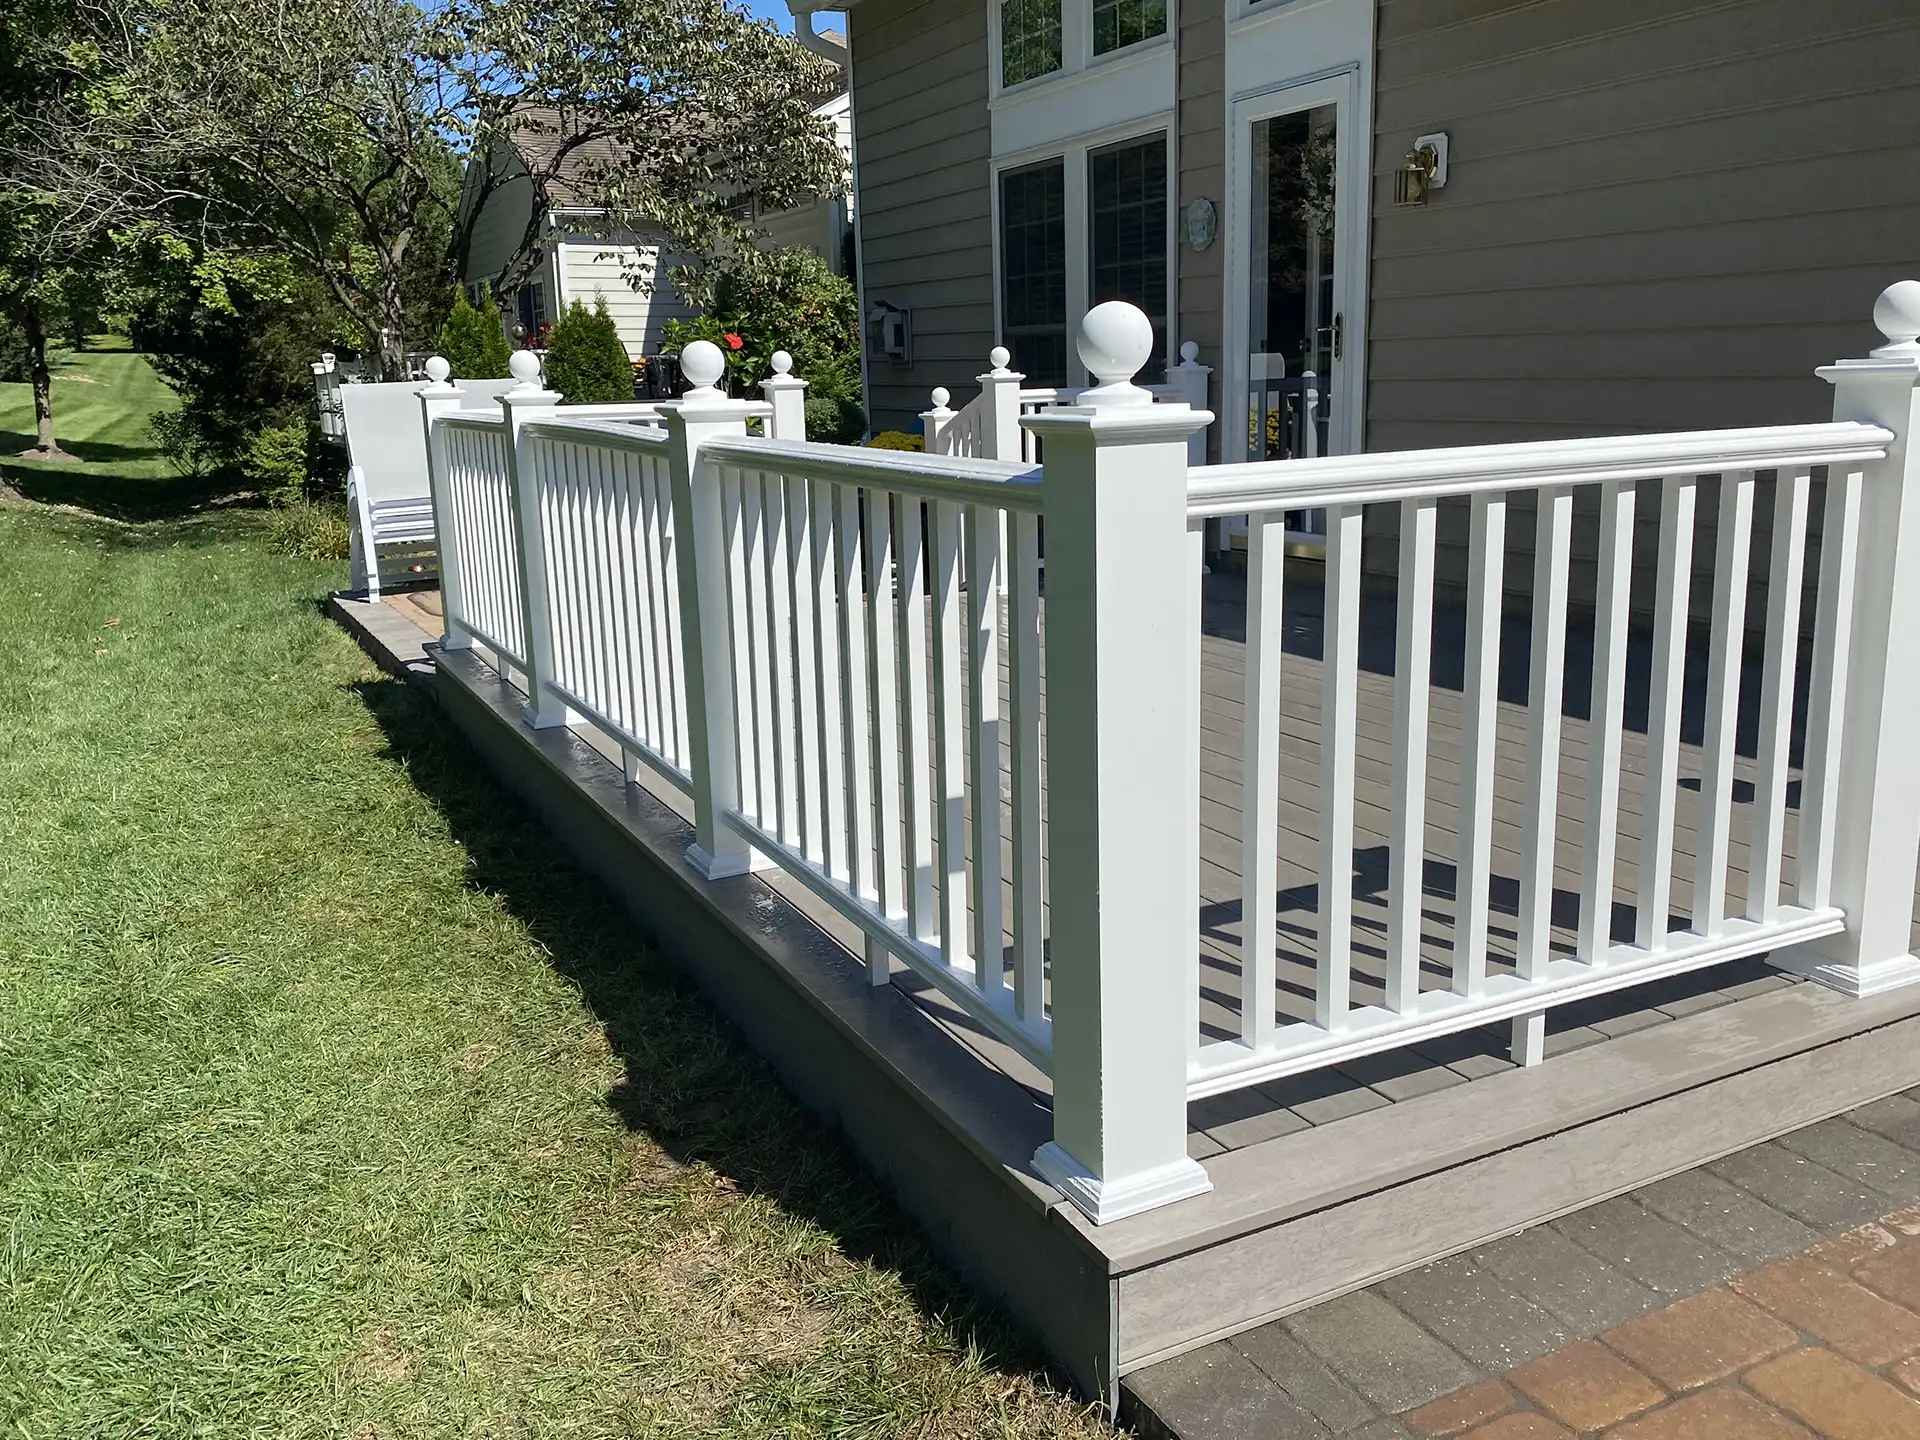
[(809, 640)]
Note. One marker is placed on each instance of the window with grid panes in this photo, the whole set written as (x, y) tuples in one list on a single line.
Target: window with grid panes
[(1127, 234), (1033, 270), (1029, 39), (1120, 23)]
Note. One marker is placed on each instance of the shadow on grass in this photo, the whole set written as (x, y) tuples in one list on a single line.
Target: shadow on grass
[(692, 1082), (93, 452), (118, 496)]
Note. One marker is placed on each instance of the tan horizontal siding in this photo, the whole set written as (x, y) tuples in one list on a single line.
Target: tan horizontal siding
[(922, 150), (1661, 215)]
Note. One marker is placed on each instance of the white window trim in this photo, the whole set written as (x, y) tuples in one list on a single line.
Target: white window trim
[(1073, 155), (1076, 48)]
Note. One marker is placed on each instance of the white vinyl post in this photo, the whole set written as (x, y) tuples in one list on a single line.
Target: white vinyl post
[(1001, 437), (713, 751), (787, 393), (526, 401), (1190, 378), (1877, 838), (1122, 777), (440, 397), (934, 422)]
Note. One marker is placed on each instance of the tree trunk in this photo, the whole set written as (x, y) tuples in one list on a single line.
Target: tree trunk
[(46, 448)]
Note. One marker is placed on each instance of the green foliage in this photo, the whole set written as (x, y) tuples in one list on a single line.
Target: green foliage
[(759, 302), (235, 334), (310, 530), (586, 362), (179, 440), (897, 440), (277, 461), (473, 343), (16, 355)]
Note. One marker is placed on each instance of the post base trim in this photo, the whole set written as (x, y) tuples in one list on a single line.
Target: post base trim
[(1102, 1201), (1859, 981), (725, 867)]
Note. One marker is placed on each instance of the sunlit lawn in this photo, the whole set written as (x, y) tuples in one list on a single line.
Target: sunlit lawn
[(335, 1101)]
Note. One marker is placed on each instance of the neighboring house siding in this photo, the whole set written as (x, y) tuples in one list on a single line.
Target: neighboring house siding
[(591, 268), (926, 233), (1201, 148), (819, 224), (1661, 215)]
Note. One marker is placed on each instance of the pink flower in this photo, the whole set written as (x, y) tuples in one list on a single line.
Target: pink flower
[(734, 342)]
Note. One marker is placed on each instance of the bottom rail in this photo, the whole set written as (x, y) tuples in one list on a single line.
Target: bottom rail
[(1231, 1065)]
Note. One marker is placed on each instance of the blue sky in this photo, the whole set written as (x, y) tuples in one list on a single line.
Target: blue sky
[(776, 11)]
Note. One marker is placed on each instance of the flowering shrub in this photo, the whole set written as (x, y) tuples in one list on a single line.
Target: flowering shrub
[(789, 300)]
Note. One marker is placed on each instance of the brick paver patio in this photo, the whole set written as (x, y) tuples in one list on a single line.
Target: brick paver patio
[(1775, 1293)]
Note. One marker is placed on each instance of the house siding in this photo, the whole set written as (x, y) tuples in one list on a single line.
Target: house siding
[(1201, 148), (593, 269), (922, 151), (1661, 215)]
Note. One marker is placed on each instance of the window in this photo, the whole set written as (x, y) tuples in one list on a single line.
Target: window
[(1127, 234), (1120, 23), (1033, 270), (1029, 39)]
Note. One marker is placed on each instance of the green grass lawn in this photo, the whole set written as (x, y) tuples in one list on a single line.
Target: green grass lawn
[(103, 398), (335, 1101)]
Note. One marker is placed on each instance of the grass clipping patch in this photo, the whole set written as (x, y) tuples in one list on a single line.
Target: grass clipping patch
[(336, 1101)]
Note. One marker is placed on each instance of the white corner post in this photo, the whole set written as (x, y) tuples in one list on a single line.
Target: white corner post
[(1876, 814), (1122, 780), (527, 401), (1001, 386), (787, 393), (934, 422), (1189, 379), (699, 525), (439, 397)]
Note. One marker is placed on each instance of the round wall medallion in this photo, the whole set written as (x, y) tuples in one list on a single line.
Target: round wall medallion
[(1201, 224)]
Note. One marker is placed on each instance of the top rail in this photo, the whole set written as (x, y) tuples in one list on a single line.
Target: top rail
[(1004, 484), (620, 435), (473, 420), (1219, 490)]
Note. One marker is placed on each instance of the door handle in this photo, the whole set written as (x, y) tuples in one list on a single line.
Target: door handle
[(1339, 334)]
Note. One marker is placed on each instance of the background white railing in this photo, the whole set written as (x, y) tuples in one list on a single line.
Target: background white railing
[(842, 658)]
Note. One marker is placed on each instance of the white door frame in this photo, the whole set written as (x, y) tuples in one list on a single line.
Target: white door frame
[(1341, 88)]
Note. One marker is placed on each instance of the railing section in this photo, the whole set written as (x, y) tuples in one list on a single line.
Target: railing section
[(604, 499), (883, 693), (479, 513), (1595, 856)]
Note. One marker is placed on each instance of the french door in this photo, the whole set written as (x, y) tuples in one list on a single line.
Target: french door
[(1294, 298)]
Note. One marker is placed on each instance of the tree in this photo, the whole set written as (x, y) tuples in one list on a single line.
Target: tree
[(51, 263), (332, 132), (473, 343), (586, 362)]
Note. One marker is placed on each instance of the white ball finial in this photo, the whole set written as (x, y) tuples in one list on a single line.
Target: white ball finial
[(1116, 339), (1190, 352), (438, 369), (1000, 357), (525, 366), (940, 397), (1897, 314), (782, 362), (703, 364)]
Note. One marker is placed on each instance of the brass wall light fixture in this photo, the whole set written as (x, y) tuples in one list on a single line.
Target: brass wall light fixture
[(1424, 171)]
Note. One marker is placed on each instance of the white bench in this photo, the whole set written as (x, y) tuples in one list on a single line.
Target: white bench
[(389, 505)]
